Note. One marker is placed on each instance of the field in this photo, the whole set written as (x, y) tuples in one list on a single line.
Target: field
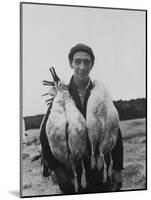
[(134, 173)]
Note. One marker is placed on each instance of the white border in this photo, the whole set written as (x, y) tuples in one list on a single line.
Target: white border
[(9, 83)]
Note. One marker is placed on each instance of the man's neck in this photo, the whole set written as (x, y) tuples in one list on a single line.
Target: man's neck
[(81, 84)]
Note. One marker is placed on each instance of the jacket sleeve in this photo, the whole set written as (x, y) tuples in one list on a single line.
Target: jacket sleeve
[(46, 151), (117, 153)]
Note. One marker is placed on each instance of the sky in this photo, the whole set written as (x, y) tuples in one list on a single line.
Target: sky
[(117, 38)]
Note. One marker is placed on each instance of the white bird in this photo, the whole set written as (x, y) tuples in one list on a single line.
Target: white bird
[(56, 128), (103, 123), (77, 138), (66, 130)]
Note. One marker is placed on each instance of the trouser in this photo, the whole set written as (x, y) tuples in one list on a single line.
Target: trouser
[(67, 187)]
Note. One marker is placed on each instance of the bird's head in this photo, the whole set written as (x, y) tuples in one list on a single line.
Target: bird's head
[(55, 77)]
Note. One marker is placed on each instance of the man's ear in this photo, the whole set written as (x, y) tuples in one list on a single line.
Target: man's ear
[(71, 65), (91, 67)]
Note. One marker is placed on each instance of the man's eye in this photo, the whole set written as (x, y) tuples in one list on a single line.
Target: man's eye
[(86, 62), (77, 62)]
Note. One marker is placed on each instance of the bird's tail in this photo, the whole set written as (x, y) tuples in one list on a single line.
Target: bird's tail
[(75, 180), (83, 177), (100, 158), (100, 162), (93, 160), (110, 167), (104, 171)]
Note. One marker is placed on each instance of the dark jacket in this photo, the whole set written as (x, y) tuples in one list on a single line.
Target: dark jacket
[(94, 178)]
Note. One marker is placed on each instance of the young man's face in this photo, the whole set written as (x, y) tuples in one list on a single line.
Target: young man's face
[(81, 65)]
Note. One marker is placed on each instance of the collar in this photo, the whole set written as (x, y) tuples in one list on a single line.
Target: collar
[(73, 90)]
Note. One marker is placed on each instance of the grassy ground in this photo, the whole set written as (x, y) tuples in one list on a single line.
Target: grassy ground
[(134, 137), (134, 174)]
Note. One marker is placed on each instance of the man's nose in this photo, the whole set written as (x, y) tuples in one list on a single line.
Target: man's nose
[(82, 65)]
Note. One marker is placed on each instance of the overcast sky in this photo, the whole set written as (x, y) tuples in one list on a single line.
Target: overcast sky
[(117, 38)]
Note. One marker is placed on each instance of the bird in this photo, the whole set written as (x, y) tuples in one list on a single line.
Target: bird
[(66, 130), (77, 138), (103, 124), (56, 126)]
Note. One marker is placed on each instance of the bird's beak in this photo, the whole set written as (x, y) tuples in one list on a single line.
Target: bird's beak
[(48, 83), (54, 75)]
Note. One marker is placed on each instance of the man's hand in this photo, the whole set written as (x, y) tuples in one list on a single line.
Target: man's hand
[(117, 180)]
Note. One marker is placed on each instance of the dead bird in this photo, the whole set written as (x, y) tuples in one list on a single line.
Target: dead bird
[(103, 123), (68, 145), (77, 138), (56, 125)]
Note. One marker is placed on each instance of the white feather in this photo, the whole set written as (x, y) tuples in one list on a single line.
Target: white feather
[(56, 129), (102, 122)]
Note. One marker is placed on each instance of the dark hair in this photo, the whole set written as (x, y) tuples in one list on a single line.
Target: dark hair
[(80, 47)]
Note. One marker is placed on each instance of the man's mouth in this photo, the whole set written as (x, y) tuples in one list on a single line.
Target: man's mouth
[(82, 73)]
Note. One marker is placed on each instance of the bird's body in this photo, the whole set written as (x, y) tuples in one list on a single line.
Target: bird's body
[(77, 137), (102, 123), (56, 129), (66, 129)]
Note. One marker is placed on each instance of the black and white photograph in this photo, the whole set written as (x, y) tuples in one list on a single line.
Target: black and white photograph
[(83, 99)]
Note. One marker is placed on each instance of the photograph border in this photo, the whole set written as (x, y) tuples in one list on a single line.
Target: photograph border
[(21, 87)]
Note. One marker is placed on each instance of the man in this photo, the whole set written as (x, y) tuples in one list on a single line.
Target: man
[(81, 59)]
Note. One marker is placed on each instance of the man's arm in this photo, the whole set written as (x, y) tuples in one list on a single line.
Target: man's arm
[(46, 152), (117, 156), (117, 153)]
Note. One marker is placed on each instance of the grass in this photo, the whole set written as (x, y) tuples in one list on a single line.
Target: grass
[(134, 173)]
